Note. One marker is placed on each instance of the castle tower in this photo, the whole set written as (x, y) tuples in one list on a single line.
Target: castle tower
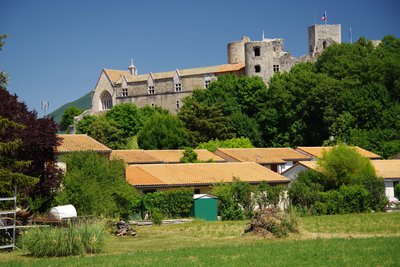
[(236, 51), (320, 36), (262, 58)]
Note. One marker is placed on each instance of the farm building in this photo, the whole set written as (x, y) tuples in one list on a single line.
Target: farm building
[(317, 151), (276, 159), (200, 177), (161, 156)]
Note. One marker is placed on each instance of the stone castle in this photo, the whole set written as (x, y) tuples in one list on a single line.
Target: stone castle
[(167, 89)]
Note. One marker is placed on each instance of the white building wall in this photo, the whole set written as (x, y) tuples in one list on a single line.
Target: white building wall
[(294, 171), (282, 168), (389, 189)]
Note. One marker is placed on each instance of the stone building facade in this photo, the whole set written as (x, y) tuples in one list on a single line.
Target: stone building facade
[(167, 89)]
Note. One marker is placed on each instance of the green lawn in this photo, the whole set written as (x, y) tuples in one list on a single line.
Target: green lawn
[(342, 240)]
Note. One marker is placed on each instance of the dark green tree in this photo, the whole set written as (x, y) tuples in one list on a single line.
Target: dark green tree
[(107, 132), (85, 124), (68, 117), (12, 168), (163, 131), (204, 121)]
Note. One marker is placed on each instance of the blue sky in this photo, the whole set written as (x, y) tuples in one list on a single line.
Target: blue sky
[(57, 49)]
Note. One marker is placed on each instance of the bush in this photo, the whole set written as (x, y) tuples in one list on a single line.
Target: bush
[(235, 199), (72, 240), (172, 204), (397, 191), (97, 186)]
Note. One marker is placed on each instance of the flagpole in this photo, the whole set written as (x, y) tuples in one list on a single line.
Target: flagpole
[(351, 36), (326, 20)]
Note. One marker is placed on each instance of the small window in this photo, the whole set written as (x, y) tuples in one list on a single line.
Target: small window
[(324, 44), (207, 83), (152, 105), (276, 68), (151, 90), (178, 87), (178, 104), (256, 51), (257, 68), (197, 191), (124, 91)]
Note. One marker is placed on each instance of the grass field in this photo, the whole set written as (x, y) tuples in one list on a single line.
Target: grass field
[(342, 240)]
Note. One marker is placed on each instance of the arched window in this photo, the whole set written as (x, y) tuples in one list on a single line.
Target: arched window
[(106, 100), (324, 44)]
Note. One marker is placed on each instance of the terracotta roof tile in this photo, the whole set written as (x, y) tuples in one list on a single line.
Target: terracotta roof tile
[(199, 173), (316, 151), (160, 156), (134, 156), (263, 155), (79, 142), (387, 169)]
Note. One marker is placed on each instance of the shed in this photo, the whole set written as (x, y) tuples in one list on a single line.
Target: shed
[(205, 207)]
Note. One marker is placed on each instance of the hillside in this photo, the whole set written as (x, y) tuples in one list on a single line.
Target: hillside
[(84, 102)]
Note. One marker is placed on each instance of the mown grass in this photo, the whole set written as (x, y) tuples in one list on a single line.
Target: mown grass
[(222, 243), (362, 224)]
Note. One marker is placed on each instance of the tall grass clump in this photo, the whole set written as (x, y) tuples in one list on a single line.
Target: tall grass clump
[(59, 241)]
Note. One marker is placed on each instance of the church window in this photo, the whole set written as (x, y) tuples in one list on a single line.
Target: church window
[(106, 100), (276, 68), (151, 90), (124, 91), (256, 51), (178, 104), (178, 87), (257, 68)]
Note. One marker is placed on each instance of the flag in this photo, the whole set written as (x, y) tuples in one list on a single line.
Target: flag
[(324, 17)]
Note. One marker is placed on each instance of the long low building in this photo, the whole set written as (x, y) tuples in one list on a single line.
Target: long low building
[(316, 152), (161, 156), (389, 170), (200, 176), (276, 159)]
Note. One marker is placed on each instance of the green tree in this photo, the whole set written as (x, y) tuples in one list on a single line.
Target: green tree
[(163, 131), (189, 156), (212, 145), (85, 124), (107, 132), (68, 117), (97, 186), (343, 165), (126, 116), (204, 121)]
